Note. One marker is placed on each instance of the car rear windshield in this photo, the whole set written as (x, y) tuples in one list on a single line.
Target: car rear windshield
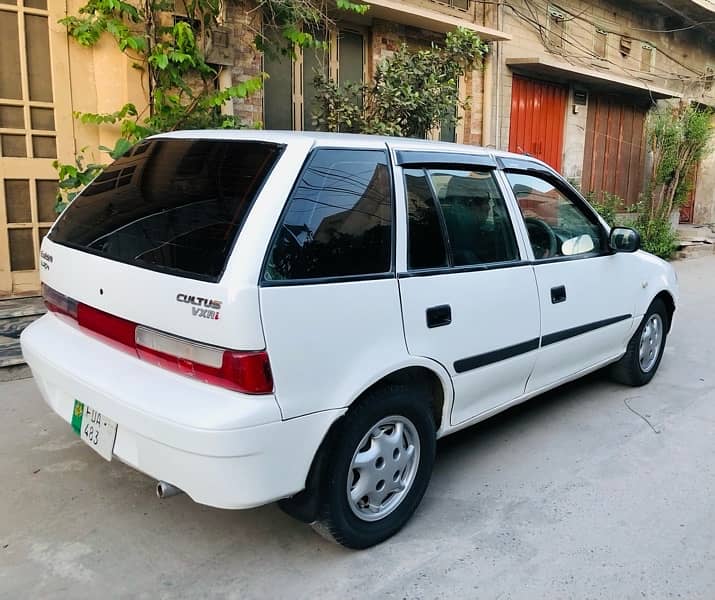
[(170, 205)]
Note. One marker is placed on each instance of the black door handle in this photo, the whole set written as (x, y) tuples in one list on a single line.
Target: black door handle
[(558, 294), (439, 316)]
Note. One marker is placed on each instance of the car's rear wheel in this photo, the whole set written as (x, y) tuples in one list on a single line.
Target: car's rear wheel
[(380, 467), (645, 349)]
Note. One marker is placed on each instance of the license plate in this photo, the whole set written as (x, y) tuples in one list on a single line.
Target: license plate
[(94, 428)]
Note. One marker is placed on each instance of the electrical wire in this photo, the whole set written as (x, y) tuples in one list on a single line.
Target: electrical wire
[(579, 17), (577, 42), (534, 21), (695, 25), (686, 28), (548, 46)]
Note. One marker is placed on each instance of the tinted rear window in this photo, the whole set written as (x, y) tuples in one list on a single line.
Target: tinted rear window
[(170, 205), (338, 221)]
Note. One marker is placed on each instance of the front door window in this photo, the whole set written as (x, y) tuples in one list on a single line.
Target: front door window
[(557, 226)]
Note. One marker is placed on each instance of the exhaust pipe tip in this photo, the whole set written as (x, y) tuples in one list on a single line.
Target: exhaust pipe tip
[(166, 490)]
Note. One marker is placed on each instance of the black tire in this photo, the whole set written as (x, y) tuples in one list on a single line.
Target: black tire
[(628, 369), (336, 519)]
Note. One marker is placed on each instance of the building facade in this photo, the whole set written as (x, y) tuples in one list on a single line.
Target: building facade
[(569, 82), (575, 84)]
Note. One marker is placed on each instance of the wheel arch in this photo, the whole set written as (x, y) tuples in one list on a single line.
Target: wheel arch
[(667, 298), (304, 505)]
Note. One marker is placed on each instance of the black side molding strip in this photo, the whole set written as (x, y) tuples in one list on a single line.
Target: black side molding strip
[(560, 336), (481, 360)]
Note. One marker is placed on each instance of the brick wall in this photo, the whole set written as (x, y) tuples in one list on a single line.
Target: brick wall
[(473, 115), (386, 37), (244, 22)]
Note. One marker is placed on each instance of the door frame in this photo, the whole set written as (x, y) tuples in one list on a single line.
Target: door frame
[(33, 169), (686, 213)]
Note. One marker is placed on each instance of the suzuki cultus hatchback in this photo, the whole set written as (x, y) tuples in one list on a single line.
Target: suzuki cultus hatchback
[(253, 316)]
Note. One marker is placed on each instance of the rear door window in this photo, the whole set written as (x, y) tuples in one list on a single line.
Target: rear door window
[(170, 205), (475, 224), (426, 246), (338, 221)]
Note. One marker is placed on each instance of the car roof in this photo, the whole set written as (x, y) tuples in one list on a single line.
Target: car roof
[(347, 140)]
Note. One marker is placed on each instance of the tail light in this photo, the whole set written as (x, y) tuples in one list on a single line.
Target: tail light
[(247, 372), (58, 303)]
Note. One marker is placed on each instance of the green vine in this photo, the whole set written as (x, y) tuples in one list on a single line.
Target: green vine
[(172, 52), (73, 177)]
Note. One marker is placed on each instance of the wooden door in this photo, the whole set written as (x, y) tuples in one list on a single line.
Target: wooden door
[(35, 126), (538, 112), (687, 210), (614, 155)]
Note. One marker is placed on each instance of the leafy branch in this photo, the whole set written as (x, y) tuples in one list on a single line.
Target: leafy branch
[(74, 177), (411, 94), (679, 138)]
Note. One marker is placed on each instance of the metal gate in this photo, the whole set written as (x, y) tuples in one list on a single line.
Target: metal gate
[(35, 123), (615, 150), (538, 111)]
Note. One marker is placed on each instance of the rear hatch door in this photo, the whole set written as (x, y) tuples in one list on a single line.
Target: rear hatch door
[(150, 239)]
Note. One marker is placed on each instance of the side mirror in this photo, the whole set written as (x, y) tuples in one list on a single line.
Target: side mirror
[(624, 239)]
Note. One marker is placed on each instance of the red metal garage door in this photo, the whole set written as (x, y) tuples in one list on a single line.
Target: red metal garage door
[(615, 148), (538, 110)]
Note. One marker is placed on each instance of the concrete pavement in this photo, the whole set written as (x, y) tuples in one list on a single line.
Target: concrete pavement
[(571, 495)]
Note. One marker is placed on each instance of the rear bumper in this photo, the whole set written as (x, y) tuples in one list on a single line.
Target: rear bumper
[(222, 448)]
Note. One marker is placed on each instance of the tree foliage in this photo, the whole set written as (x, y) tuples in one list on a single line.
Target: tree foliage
[(411, 94), (679, 137), (607, 205), (292, 24)]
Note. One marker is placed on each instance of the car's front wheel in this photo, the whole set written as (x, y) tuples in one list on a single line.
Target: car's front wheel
[(645, 349), (379, 469)]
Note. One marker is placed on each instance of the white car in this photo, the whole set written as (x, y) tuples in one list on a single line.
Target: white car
[(254, 316)]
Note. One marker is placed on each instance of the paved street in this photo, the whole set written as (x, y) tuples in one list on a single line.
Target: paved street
[(571, 495)]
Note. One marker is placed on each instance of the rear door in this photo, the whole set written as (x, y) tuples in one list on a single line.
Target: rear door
[(329, 300), (469, 299)]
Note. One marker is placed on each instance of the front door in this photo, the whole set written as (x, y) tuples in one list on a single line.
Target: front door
[(587, 295), (35, 122), (469, 301)]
